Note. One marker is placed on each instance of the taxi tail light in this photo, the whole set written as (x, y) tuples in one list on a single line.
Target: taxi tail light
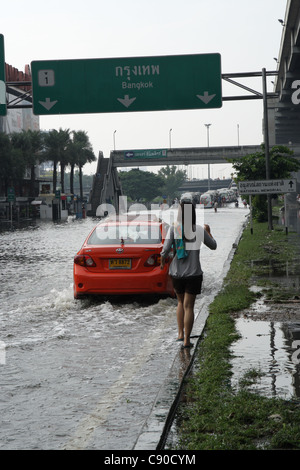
[(85, 261), (153, 260)]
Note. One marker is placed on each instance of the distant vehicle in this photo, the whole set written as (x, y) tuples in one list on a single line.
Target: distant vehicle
[(122, 256), (193, 197), (228, 194), (208, 198)]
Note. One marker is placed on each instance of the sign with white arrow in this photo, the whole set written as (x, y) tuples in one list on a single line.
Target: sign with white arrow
[(48, 104), (267, 186), (127, 84), (126, 101), (206, 98)]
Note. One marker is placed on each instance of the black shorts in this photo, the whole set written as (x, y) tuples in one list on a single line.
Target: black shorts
[(190, 285)]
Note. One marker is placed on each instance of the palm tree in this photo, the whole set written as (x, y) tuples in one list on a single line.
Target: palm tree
[(36, 156), (84, 153), (5, 162), (21, 151), (56, 150), (72, 159)]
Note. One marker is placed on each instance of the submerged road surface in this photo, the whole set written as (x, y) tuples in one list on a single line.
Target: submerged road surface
[(91, 374)]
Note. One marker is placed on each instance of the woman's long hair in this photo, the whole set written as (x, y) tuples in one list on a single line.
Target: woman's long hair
[(187, 217)]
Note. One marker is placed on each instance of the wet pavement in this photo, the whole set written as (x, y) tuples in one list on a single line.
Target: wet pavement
[(91, 374)]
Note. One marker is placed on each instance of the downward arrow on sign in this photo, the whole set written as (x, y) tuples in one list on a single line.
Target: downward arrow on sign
[(126, 101), (206, 98), (47, 103)]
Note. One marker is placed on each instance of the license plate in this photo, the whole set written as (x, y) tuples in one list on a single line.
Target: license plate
[(120, 263)]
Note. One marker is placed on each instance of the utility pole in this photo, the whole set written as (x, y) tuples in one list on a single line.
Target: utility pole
[(266, 142)]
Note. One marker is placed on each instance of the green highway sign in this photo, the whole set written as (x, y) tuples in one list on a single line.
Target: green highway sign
[(126, 84), (11, 194), (2, 78), (130, 154)]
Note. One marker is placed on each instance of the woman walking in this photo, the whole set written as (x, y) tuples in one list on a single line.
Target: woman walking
[(185, 269)]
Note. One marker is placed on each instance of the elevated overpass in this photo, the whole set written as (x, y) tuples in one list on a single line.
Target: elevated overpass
[(107, 186), (180, 156), (201, 186), (286, 108)]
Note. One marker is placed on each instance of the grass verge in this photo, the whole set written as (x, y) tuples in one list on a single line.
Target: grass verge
[(214, 416)]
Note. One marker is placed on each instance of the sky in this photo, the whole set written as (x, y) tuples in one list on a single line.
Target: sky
[(245, 33)]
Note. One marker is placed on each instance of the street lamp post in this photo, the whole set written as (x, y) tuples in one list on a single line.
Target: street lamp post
[(115, 140), (208, 176), (170, 138)]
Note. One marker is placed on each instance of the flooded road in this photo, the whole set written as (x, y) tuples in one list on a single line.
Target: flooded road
[(86, 374)]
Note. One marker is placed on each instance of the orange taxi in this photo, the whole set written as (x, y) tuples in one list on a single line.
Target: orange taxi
[(122, 256)]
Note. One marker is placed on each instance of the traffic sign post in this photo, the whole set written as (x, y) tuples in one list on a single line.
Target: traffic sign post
[(267, 187), (11, 198), (127, 84), (2, 78), (11, 194)]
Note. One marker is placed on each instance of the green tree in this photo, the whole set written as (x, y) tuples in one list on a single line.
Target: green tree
[(253, 167), (30, 144), (140, 185), (81, 152), (172, 180), (35, 156), (72, 158), (12, 163), (5, 161), (26, 151), (21, 152), (56, 150)]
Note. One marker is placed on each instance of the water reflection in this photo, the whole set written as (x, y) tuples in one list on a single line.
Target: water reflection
[(268, 348)]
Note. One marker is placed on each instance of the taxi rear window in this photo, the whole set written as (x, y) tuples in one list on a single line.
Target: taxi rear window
[(128, 234)]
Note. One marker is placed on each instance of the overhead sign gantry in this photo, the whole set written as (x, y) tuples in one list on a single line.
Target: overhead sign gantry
[(127, 84)]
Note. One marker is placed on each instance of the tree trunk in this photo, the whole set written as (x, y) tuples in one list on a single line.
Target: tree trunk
[(54, 177), (72, 179), (32, 181), (62, 178), (80, 182)]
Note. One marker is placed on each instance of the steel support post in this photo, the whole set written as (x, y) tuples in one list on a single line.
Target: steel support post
[(266, 142)]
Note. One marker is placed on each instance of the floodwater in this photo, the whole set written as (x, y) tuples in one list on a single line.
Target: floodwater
[(86, 374), (270, 332), (271, 347)]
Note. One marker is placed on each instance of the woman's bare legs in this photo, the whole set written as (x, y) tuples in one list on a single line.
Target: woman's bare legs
[(185, 316), (180, 315), (188, 307)]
